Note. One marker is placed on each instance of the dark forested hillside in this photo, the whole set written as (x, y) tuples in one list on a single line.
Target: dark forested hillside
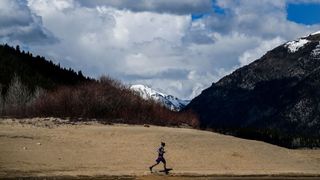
[(275, 98), (33, 71)]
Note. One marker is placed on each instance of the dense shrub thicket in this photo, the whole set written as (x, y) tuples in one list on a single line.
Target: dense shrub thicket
[(104, 100)]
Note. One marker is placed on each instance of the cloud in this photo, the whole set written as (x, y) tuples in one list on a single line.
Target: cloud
[(251, 55), (19, 24), (158, 6), (172, 74), (154, 42), (266, 19)]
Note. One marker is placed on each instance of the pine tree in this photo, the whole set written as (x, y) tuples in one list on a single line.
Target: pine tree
[(18, 48)]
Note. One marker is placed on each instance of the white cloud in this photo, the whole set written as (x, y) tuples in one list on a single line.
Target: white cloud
[(251, 55), (19, 25), (139, 27), (155, 42), (264, 18)]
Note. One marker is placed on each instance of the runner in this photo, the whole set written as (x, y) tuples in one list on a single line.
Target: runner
[(160, 157)]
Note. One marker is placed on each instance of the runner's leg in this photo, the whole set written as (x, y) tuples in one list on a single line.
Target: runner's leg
[(154, 165), (157, 162), (164, 164)]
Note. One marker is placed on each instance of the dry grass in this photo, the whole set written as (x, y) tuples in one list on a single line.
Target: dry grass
[(94, 149)]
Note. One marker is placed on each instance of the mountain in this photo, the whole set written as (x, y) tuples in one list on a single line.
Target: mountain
[(275, 99), (169, 101)]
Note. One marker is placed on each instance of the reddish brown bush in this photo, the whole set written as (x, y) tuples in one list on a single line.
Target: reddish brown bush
[(106, 100)]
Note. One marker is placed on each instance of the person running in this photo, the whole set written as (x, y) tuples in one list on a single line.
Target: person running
[(160, 157)]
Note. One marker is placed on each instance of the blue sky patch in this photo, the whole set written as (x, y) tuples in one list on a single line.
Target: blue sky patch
[(307, 14), (215, 9), (197, 16), (218, 9)]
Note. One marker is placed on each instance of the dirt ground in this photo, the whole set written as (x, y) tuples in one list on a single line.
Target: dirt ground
[(55, 148)]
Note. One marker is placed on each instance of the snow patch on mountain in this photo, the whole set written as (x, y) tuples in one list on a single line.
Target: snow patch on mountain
[(318, 32), (169, 101), (294, 46), (316, 52)]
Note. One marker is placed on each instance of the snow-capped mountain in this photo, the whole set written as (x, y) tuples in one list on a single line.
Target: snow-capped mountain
[(169, 101)]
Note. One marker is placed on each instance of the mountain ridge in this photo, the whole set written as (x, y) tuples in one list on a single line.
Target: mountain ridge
[(171, 102), (272, 99)]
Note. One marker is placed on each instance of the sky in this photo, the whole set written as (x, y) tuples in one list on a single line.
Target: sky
[(179, 47)]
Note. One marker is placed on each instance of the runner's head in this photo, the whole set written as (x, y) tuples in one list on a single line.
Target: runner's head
[(163, 144)]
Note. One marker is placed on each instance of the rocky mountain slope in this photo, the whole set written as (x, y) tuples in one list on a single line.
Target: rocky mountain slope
[(276, 98), (169, 101)]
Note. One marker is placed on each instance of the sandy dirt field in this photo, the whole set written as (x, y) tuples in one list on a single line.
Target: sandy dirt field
[(50, 147)]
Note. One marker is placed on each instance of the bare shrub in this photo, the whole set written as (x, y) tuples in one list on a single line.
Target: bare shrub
[(107, 100), (16, 98)]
